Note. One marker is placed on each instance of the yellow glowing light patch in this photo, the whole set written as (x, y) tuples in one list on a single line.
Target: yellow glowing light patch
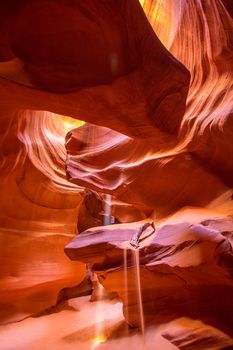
[(99, 339), (71, 123)]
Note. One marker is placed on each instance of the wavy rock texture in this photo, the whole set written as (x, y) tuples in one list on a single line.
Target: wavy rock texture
[(38, 217), (150, 153), (120, 79), (144, 173), (133, 172), (207, 123), (190, 334), (184, 269), (209, 114)]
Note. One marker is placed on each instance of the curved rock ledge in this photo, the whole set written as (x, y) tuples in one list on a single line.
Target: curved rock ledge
[(185, 270)]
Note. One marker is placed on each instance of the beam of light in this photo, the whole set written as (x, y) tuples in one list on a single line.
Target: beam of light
[(99, 339), (139, 291), (99, 336), (70, 123), (107, 210)]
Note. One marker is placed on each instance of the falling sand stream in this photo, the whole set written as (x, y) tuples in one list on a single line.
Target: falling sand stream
[(100, 336), (139, 290), (135, 254)]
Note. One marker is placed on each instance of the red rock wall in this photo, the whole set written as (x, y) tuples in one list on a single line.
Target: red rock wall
[(38, 217), (166, 173), (109, 68)]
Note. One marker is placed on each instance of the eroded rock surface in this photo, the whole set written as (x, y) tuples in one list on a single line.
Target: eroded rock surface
[(189, 334), (120, 79), (92, 212), (144, 171), (38, 216), (184, 269), (134, 171), (124, 80)]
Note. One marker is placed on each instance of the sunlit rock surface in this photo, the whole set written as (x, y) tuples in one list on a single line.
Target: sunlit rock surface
[(145, 148), (126, 212), (134, 172), (187, 334), (184, 269), (209, 114), (145, 171), (120, 79), (38, 217)]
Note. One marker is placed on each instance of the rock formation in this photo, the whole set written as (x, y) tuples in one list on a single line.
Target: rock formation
[(38, 218), (156, 101), (93, 211), (134, 66), (157, 173), (134, 172), (108, 82), (192, 334), (184, 269)]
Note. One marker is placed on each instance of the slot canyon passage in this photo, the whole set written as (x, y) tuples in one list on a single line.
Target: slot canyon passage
[(116, 143)]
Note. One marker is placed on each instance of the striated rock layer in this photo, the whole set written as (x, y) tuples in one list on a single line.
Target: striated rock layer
[(157, 173), (145, 148), (187, 334), (184, 269), (121, 80), (134, 172), (38, 217)]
